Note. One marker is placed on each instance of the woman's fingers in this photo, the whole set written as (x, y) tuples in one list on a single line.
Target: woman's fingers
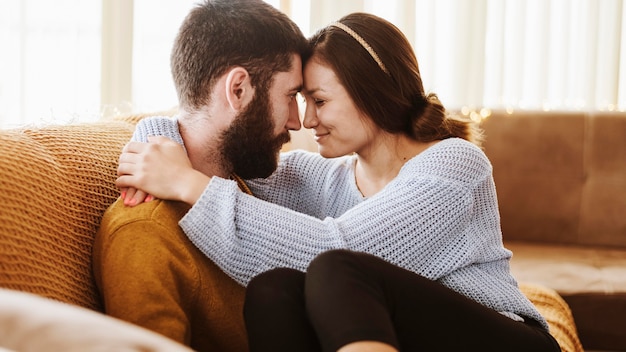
[(137, 198), (152, 170)]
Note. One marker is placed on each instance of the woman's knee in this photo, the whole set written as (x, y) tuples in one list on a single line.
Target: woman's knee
[(331, 268), (333, 263), (273, 286)]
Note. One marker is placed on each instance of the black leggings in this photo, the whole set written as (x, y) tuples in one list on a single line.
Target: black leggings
[(346, 297)]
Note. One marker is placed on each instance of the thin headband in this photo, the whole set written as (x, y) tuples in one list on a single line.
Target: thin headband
[(363, 43)]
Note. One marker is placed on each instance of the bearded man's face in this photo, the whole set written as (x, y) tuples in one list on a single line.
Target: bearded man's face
[(249, 145)]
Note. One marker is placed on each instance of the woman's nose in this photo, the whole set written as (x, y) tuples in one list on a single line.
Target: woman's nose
[(310, 117)]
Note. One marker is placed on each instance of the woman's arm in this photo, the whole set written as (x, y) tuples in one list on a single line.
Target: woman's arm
[(160, 168), (150, 126), (304, 171), (423, 214), (301, 183)]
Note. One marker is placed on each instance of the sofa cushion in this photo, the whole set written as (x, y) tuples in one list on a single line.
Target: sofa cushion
[(538, 170), (591, 280), (569, 269), (560, 177), (55, 183), (602, 220)]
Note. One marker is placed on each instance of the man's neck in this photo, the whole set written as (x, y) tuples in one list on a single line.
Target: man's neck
[(202, 140)]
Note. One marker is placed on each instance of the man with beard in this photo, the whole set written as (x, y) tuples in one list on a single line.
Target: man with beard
[(237, 68)]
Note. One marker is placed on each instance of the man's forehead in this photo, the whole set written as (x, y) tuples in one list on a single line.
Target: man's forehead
[(289, 81)]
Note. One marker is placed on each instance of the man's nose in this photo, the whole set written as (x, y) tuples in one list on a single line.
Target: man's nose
[(293, 122)]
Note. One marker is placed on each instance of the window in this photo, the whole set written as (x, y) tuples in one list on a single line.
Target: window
[(83, 59), (154, 30), (50, 66)]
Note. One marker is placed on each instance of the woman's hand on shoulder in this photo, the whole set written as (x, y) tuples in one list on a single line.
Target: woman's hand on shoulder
[(159, 168), (132, 196)]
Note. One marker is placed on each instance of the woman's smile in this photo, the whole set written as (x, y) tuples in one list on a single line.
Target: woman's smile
[(319, 137)]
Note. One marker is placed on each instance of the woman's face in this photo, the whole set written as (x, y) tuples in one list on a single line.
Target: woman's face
[(340, 128)]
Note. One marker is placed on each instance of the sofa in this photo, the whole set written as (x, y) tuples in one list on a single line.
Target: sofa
[(561, 183), (56, 181)]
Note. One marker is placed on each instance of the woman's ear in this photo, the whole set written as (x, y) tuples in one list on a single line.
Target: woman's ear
[(239, 91)]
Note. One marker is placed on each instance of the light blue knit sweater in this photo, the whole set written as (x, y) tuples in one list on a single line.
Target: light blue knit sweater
[(439, 218)]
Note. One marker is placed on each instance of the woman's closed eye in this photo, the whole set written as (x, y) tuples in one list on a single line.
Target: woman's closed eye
[(319, 102)]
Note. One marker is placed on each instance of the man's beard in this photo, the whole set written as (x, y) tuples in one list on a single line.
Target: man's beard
[(249, 146)]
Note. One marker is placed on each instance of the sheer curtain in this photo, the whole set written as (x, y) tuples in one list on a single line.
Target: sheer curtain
[(50, 61), (513, 54), (83, 59), (155, 27)]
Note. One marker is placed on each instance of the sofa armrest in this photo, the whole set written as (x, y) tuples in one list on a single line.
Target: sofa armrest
[(30, 322)]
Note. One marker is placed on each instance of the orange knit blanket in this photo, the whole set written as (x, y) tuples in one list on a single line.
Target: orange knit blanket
[(55, 183)]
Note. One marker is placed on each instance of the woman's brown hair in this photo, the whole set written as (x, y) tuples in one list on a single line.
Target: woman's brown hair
[(384, 80)]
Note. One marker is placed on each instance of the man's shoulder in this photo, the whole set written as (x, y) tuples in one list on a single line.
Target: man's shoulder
[(157, 213), (158, 119), (158, 126)]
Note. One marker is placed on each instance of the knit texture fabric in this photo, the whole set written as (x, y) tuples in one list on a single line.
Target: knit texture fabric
[(150, 274), (55, 183), (439, 218), (558, 314)]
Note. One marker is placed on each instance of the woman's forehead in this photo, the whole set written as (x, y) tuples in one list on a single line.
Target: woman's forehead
[(318, 75)]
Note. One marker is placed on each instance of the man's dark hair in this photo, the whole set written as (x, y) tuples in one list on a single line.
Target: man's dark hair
[(220, 34)]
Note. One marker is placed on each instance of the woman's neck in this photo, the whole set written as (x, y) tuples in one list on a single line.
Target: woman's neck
[(382, 161)]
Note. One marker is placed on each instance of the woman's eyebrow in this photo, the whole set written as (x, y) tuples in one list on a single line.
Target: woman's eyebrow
[(311, 91)]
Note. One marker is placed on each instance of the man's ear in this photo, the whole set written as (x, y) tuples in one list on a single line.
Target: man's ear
[(239, 91)]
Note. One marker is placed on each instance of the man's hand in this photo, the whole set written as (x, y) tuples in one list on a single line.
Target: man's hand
[(159, 168)]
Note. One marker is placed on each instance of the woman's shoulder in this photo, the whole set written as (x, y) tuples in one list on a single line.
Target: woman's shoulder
[(454, 158), (457, 149), (458, 143)]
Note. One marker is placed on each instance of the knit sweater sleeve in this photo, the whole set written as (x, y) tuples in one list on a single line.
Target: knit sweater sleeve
[(303, 182), (157, 126), (297, 184), (246, 236)]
